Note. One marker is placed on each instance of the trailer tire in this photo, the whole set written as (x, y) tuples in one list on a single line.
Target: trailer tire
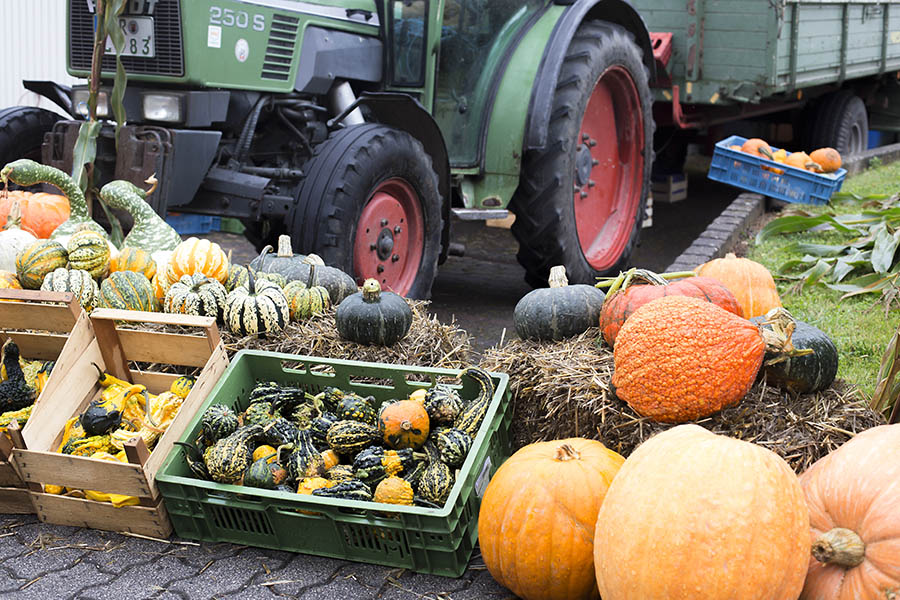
[(22, 130), (568, 211), (370, 206), (841, 122)]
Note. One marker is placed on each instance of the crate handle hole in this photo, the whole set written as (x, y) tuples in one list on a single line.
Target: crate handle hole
[(294, 366)]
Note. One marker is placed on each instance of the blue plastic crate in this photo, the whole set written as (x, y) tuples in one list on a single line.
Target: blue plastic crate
[(193, 224), (745, 171)]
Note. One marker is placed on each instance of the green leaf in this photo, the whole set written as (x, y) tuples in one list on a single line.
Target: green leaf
[(885, 248), (797, 223), (816, 249), (117, 235), (114, 8), (842, 268), (876, 286), (85, 151)]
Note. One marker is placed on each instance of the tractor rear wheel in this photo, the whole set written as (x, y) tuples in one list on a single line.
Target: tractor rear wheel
[(370, 206), (581, 198), (22, 130)]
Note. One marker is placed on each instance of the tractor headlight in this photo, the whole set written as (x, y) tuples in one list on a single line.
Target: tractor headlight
[(162, 107), (80, 103)]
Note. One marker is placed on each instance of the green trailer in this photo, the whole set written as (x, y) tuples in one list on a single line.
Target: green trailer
[(832, 62)]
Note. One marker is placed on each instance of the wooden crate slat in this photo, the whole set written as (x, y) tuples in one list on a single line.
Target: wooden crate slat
[(9, 477), (154, 382), (36, 346), (15, 501), (43, 317), (166, 348), (78, 512), (111, 477)]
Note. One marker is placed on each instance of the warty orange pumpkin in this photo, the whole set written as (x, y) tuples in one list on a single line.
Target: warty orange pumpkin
[(750, 282), (536, 522), (692, 515), (853, 496), (678, 359)]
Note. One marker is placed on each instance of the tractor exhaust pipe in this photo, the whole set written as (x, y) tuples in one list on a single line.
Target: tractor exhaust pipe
[(341, 97)]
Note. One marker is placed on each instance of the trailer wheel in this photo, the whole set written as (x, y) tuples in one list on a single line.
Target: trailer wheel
[(370, 206), (841, 122), (22, 130), (581, 199)]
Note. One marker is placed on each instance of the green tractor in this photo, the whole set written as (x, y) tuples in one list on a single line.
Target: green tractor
[(358, 126)]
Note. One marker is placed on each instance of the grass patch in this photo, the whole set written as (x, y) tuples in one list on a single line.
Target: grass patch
[(859, 327)]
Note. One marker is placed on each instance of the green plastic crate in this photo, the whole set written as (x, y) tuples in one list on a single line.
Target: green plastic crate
[(436, 541)]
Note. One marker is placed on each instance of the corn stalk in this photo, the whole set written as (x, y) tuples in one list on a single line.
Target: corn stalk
[(85, 151), (887, 390)]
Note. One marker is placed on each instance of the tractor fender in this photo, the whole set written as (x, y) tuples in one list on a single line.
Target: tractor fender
[(619, 12), (406, 113)]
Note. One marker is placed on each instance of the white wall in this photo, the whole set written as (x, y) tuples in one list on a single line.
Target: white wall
[(33, 46)]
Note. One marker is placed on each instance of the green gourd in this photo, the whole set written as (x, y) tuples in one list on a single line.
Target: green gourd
[(127, 290), (453, 445), (306, 301), (472, 414), (258, 413), (89, 251), (237, 276), (218, 421), (437, 479), (196, 295), (265, 474), (355, 407), (348, 437), (229, 457), (76, 281), (150, 232), (442, 403), (26, 172), (303, 459), (349, 489)]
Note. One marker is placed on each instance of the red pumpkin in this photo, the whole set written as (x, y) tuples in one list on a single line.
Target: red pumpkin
[(41, 213), (648, 286)]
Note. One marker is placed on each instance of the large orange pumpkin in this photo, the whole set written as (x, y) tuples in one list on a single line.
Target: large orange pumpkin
[(692, 515), (750, 282), (620, 304), (41, 213), (536, 523), (854, 512), (678, 359), (193, 256)]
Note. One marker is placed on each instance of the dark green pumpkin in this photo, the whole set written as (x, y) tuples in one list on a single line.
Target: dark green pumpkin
[(127, 290), (264, 474), (218, 421), (355, 407), (283, 262), (558, 311), (805, 373), (373, 317), (454, 445)]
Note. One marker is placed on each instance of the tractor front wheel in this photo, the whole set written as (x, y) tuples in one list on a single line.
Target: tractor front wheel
[(370, 206), (22, 130), (581, 198)]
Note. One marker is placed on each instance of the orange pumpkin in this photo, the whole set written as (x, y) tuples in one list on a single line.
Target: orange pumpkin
[(160, 285), (678, 359), (757, 147), (801, 160), (9, 281), (404, 424), (134, 259), (331, 458), (828, 158), (536, 522), (193, 256), (41, 213), (854, 516), (750, 282), (694, 515)]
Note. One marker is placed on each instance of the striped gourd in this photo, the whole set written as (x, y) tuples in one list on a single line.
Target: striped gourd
[(258, 308), (307, 301), (454, 445), (38, 259), (436, 480), (76, 281), (470, 417), (134, 259), (89, 252), (194, 255), (217, 422), (229, 457), (349, 489), (442, 403), (160, 285), (150, 232), (237, 276), (276, 278), (127, 290), (349, 437), (196, 295)]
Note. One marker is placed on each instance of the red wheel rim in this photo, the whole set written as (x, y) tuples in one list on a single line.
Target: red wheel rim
[(390, 237), (609, 168)]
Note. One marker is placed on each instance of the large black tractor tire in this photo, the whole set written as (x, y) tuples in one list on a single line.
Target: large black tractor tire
[(841, 122), (370, 206), (22, 130), (581, 199)]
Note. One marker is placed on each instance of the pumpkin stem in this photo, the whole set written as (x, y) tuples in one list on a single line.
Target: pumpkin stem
[(628, 277), (840, 546), (153, 181), (371, 290), (567, 452), (406, 425), (251, 282), (284, 247), (14, 218), (558, 277), (777, 336)]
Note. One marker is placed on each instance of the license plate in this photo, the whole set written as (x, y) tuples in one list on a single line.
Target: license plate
[(138, 37)]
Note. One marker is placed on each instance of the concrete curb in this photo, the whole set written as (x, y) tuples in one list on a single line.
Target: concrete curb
[(860, 162), (722, 234)]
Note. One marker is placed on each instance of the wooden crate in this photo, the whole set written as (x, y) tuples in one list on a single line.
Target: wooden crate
[(112, 348), (40, 323)]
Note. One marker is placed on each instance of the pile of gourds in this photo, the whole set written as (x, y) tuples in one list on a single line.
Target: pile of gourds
[(692, 514), (338, 444), (21, 383), (686, 345), (122, 411), (822, 160)]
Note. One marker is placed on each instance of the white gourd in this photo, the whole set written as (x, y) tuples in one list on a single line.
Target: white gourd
[(13, 239)]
